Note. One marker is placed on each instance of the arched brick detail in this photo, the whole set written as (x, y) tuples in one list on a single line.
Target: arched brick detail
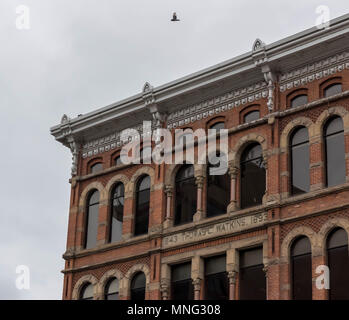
[(235, 154), (79, 284), (114, 273), (111, 183), (103, 195), (126, 281), (302, 121), (328, 113), (146, 170), (172, 169), (328, 227), (294, 234)]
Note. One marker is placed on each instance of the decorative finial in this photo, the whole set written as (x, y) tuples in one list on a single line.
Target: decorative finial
[(258, 44)]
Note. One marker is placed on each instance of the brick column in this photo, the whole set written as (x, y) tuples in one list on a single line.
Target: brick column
[(197, 288)]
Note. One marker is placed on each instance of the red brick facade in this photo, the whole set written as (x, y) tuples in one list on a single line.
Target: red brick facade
[(313, 214)]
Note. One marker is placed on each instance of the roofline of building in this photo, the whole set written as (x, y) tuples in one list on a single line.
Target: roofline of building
[(274, 52)]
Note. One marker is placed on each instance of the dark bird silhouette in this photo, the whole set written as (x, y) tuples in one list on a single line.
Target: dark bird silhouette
[(174, 17)]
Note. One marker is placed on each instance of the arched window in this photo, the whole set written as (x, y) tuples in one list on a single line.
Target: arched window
[(333, 89), (301, 269), (117, 161), (86, 292), (186, 195), (218, 186), (252, 176), (338, 263), (335, 151), (111, 291), (97, 167), (251, 116), (91, 226), (117, 212), (142, 206), (300, 175), (138, 287), (218, 126), (299, 100)]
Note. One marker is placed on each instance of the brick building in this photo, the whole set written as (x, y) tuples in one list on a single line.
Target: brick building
[(259, 231)]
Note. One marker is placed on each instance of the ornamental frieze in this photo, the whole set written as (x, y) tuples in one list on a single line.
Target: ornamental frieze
[(314, 71)]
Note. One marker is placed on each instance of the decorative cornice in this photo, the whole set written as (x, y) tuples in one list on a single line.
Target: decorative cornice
[(317, 70), (217, 105)]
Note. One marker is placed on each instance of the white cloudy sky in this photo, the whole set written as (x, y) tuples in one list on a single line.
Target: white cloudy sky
[(82, 54)]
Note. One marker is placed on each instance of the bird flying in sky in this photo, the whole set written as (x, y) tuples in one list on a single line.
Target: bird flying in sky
[(174, 17)]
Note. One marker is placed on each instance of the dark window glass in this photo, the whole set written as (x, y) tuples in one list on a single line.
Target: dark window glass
[(338, 263), (92, 220), (117, 213), (112, 290), (299, 100), (96, 167), (301, 269), (216, 280), (252, 176), (138, 287), (117, 161), (86, 292), (300, 177), (142, 206), (333, 89), (181, 282), (186, 138), (217, 126), (251, 276), (218, 186), (251, 116), (186, 194), (335, 151)]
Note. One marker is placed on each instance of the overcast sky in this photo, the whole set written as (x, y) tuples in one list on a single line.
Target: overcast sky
[(82, 54)]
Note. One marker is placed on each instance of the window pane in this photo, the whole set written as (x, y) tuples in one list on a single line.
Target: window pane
[(218, 188), (92, 220), (333, 89), (112, 290), (217, 286), (142, 206), (299, 100), (87, 292), (251, 116), (337, 238), (301, 269), (335, 152), (215, 265), (338, 263), (181, 282), (186, 195), (138, 287), (251, 276), (252, 177), (218, 126), (97, 168), (117, 213), (216, 280), (117, 161), (300, 162)]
